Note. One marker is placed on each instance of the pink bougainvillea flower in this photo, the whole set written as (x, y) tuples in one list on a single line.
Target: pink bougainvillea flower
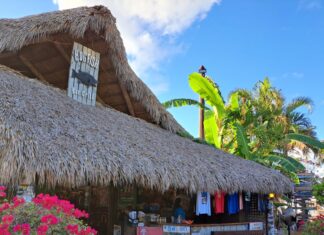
[(42, 229), (2, 188), (80, 214), (4, 226), (4, 206), (72, 228), (8, 219), (25, 229), (3, 194), (17, 201), (50, 219), (17, 228), (88, 231), (4, 231)]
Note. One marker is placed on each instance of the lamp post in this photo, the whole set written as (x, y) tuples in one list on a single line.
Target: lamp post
[(202, 70)]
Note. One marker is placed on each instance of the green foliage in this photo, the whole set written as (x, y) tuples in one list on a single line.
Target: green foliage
[(242, 141), (175, 103), (318, 192), (253, 123), (314, 226), (212, 131), (207, 90), (306, 140)]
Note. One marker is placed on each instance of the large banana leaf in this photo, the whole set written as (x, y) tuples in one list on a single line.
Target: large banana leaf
[(242, 141), (298, 166), (212, 132), (234, 101), (209, 91), (306, 140), (175, 103), (283, 162)]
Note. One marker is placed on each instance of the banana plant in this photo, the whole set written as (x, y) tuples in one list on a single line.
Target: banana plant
[(285, 164)]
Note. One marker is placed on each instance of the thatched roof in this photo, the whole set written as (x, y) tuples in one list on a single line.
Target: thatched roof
[(40, 47), (44, 132)]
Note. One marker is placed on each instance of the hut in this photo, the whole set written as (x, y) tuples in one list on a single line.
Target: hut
[(128, 138)]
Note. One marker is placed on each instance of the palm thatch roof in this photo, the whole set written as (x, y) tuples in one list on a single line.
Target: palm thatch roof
[(44, 132), (40, 46)]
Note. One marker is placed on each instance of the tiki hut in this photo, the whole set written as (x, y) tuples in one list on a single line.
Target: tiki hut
[(40, 47), (45, 133), (49, 139)]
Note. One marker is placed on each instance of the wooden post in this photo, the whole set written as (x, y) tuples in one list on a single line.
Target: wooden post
[(202, 71), (201, 119)]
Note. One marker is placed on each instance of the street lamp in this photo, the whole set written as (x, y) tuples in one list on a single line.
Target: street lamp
[(202, 70)]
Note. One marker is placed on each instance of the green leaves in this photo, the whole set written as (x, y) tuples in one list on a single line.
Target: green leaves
[(306, 140), (242, 141), (209, 91), (212, 131), (175, 103)]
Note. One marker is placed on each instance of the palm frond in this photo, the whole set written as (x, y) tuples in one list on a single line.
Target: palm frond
[(306, 140), (242, 141), (299, 102), (176, 103)]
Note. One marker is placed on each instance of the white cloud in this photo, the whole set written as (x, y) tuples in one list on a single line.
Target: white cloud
[(309, 4), (148, 28), (288, 75), (294, 75)]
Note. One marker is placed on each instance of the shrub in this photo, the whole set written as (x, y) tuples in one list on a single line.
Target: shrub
[(44, 215), (314, 226)]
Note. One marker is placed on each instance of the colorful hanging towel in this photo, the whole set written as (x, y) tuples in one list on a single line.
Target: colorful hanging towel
[(203, 205), (219, 202), (241, 201), (233, 203)]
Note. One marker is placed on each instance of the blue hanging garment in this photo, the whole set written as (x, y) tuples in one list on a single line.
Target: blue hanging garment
[(233, 206), (262, 203)]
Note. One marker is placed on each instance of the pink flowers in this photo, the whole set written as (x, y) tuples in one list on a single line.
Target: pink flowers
[(23, 228), (42, 229), (17, 201), (8, 219), (44, 215), (50, 219), (72, 228), (2, 193)]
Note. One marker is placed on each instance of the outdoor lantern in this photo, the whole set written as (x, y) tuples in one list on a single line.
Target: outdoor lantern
[(202, 70), (271, 195)]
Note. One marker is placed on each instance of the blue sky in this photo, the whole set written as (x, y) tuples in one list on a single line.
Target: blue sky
[(240, 43)]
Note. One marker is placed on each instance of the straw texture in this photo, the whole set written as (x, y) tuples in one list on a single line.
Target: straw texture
[(44, 132), (17, 33)]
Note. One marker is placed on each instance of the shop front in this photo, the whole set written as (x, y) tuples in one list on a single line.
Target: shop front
[(103, 140)]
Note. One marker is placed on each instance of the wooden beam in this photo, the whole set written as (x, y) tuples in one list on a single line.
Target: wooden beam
[(128, 100), (101, 100), (6, 54), (61, 50), (32, 68)]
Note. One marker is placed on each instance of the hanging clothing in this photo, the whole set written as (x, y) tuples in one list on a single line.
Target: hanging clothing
[(203, 205), (179, 212), (233, 203), (219, 202), (247, 202), (262, 203), (241, 201)]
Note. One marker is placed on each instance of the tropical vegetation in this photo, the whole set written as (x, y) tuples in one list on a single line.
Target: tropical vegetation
[(44, 215), (257, 125)]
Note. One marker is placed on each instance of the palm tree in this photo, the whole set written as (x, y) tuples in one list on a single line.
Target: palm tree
[(256, 124)]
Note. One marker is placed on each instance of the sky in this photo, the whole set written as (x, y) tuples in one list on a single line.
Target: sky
[(239, 42)]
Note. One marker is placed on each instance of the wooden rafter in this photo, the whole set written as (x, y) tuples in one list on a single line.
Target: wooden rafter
[(61, 50), (127, 100), (32, 68), (6, 54)]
